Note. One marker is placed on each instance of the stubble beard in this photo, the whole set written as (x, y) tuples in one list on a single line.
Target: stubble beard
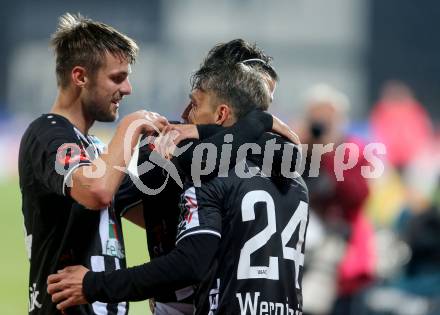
[(101, 112), (98, 109)]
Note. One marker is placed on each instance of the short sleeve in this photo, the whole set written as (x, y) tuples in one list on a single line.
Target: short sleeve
[(201, 210), (56, 153)]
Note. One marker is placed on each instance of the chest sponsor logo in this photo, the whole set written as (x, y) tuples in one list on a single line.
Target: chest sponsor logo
[(113, 245)]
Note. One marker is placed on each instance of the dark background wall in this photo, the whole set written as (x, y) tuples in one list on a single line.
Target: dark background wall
[(404, 44)]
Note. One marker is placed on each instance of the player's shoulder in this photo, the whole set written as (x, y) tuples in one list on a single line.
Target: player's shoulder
[(252, 175), (301, 185), (216, 186), (231, 181), (49, 125), (50, 122), (50, 119)]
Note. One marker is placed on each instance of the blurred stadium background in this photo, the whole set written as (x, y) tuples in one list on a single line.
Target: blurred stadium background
[(355, 46)]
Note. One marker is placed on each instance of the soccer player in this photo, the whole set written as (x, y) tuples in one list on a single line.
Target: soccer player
[(67, 186), (242, 236), (235, 51), (161, 226)]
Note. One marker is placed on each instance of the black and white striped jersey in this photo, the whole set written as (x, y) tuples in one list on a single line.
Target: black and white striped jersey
[(59, 231)]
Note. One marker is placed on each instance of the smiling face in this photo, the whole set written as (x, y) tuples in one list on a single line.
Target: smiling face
[(106, 88), (201, 109)]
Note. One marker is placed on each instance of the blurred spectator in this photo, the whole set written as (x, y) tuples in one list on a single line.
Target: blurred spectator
[(397, 120), (338, 205), (415, 289)]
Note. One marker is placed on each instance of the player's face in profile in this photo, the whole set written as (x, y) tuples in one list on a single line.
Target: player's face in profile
[(201, 109), (106, 89)]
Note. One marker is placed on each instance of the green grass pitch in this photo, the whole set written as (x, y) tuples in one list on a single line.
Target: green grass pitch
[(15, 266)]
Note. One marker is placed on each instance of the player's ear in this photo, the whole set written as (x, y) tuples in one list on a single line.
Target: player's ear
[(79, 76), (222, 113), (185, 113)]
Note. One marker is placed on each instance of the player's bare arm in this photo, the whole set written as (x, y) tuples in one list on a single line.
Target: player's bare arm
[(96, 192)]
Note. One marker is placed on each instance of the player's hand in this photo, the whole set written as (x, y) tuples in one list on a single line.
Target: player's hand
[(186, 131), (148, 122), (282, 129), (66, 287), (165, 143), (156, 120)]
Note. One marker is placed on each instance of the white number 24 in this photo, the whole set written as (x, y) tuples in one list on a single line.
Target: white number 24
[(245, 270)]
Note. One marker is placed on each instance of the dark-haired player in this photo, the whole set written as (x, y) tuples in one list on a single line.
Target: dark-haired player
[(161, 225)]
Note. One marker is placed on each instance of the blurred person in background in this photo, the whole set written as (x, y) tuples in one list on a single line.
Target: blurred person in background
[(413, 287), (342, 261), (398, 119), (67, 186)]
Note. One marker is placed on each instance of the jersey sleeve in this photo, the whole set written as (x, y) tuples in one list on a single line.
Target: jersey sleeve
[(201, 210), (55, 154), (185, 265), (128, 195), (247, 130)]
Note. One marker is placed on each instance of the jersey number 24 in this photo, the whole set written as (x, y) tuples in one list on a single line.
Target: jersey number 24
[(299, 217)]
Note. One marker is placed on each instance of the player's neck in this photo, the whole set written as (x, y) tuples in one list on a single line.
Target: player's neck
[(229, 122), (68, 105)]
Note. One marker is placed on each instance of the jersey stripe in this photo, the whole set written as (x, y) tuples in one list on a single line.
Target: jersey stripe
[(103, 229), (98, 265), (199, 232), (122, 307)]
